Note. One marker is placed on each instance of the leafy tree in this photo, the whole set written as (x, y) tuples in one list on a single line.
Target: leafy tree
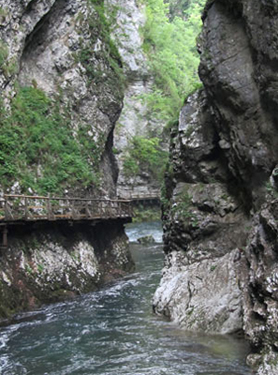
[(170, 43), (145, 155)]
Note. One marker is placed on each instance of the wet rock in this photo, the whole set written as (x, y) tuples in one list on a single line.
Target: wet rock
[(51, 264), (204, 296), (146, 240)]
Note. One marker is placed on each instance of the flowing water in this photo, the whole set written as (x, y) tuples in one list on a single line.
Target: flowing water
[(113, 331)]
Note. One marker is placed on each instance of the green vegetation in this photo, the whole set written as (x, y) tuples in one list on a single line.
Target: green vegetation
[(170, 44), (271, 190), (40, 268), (38, 148), (145, 155), (184, 209), (143, 214)]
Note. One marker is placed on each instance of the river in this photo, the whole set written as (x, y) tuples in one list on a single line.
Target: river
[(113, 331)]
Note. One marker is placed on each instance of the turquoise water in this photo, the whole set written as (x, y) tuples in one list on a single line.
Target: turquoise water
[(113, 331)]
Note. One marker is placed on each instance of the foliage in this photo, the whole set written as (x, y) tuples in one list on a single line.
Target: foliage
[(184, 208), (145, 155), (169, 41), (143, 214), (38, 148)]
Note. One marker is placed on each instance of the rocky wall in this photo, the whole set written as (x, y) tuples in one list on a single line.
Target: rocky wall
[(135, 119), (51, 262), (62, 50), (220, 193)]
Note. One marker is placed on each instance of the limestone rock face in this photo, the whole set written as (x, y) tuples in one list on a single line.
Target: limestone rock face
[(58, 46), (57, 262), (204, 296), (63, 48), (220, 199), (134, 119), (261, 298)]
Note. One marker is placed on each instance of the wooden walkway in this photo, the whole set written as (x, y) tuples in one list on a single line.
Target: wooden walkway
[(21, 209), (15, 208)]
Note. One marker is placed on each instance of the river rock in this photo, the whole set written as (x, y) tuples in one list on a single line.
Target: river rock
[(146, 239)]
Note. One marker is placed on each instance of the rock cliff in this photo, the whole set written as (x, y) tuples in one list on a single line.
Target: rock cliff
[(220, 196), (61, 95), (134, 120)]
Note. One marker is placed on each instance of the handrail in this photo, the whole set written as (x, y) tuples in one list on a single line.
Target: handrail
[(63, 198), (62, 208)]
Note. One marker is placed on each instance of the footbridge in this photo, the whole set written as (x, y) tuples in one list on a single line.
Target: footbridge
[(21, 209)]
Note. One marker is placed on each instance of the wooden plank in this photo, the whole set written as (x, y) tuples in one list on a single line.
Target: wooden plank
[(37, 207), (24, 196)]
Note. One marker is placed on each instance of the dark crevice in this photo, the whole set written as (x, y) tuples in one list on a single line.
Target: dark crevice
[(39, 35)]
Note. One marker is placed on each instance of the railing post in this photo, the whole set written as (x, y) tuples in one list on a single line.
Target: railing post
[(6, 209), (5, 236), (49, 213), (73, 214), (26, 208), (87, 210)]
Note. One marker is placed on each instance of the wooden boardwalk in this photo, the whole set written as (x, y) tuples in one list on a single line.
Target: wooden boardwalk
[(16, 208), (22, 209)]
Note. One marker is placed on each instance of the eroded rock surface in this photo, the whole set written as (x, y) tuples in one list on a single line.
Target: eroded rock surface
[(204, 296), (220, 201), (135, 119), (62, 48), (51, 263)]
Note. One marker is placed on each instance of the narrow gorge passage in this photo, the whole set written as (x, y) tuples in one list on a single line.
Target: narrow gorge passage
[(113, 331)]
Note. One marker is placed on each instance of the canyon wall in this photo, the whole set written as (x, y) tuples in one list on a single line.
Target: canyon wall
[(135, 120), (62, 92), (220, 195)]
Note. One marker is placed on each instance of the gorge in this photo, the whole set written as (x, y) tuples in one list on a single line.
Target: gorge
[(67, 67)]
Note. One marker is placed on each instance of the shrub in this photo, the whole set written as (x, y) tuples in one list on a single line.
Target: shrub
[(38, 148), (145, 154)]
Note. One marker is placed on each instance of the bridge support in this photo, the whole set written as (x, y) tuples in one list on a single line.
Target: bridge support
[(4, 236)]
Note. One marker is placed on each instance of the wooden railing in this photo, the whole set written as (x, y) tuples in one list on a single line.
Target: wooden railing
[(33, 208)]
